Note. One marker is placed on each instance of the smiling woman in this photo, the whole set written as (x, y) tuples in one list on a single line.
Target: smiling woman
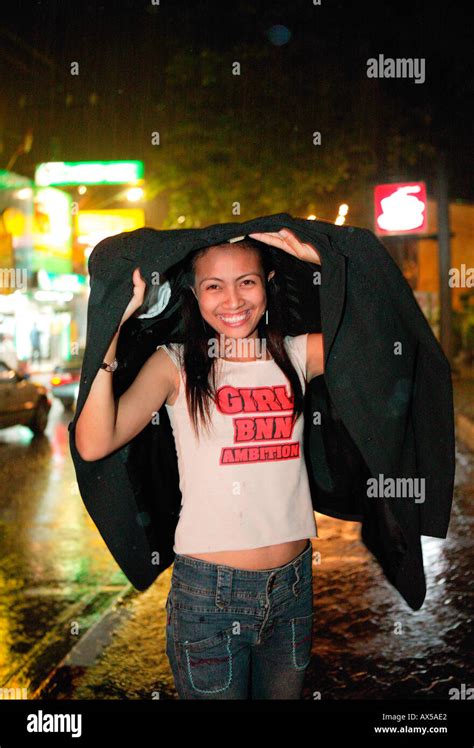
[(234, 393)]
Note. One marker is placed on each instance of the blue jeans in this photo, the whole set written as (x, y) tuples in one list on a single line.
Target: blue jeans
[(237, 633)]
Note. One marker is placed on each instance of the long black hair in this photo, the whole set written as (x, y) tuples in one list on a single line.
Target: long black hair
[(199, 366)]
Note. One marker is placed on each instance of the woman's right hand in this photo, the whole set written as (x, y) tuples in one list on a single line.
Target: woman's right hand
[(139, 287)]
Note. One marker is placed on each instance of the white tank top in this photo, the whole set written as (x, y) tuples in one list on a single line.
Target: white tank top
[(244, 484)]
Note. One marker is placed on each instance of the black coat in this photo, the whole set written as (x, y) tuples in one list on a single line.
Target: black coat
[(385, 398)]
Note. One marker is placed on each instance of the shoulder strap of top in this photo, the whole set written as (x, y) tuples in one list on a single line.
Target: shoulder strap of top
[(297, 350), (172, 349)]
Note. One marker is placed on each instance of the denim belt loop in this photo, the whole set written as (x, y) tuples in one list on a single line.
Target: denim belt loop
[(224, 586)]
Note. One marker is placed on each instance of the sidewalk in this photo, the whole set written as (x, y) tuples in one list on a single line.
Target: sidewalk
[(122, 656)]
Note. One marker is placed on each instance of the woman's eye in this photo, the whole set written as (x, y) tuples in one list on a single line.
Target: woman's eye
[(214, 285)]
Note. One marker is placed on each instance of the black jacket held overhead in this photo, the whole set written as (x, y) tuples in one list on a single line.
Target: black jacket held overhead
[(385, 398)]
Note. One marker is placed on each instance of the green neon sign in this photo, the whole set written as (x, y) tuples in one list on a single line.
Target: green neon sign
[(88, 172)]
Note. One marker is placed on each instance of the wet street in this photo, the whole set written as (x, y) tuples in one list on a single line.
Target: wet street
[(71, 626), (56, 573)]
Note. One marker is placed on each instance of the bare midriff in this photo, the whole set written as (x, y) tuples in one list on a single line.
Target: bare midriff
[(266, 557)]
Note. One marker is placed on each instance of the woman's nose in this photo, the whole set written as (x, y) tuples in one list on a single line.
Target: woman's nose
[(233, 299)]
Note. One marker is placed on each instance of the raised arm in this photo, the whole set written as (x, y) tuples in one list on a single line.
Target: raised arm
[(106, 423)]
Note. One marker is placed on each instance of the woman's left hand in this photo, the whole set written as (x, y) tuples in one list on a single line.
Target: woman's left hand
[(286, 240)]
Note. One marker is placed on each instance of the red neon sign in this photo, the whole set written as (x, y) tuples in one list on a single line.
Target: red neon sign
[(400, 208)]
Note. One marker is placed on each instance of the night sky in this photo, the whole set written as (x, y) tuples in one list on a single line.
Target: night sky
[(145, 68)]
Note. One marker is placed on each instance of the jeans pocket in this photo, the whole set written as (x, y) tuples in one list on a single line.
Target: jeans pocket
[(301, 640), (208, 662)]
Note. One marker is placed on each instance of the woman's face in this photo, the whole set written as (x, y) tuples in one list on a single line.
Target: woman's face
[(230, 290)]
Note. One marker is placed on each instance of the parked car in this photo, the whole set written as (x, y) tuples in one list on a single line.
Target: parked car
[(22, 401), (65, 381)]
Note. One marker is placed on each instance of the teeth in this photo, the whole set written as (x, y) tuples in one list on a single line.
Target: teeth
[(234, 319)]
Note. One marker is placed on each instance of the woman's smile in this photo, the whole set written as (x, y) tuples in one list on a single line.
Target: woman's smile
[(235, 320)]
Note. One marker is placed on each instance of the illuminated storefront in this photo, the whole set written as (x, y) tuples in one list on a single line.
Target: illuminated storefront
[(42, 303)]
